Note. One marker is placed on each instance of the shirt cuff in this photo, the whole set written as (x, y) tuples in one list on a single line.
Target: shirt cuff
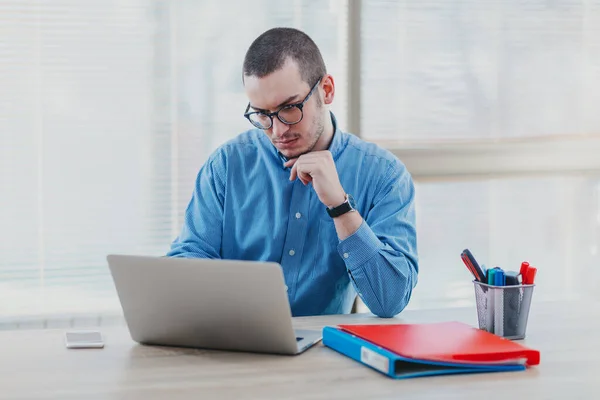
[(359, 247)]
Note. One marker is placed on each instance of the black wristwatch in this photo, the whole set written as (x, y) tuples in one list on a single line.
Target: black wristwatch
[(343, 208)]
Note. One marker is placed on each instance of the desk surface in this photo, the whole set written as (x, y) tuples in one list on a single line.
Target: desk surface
[(35, 364)]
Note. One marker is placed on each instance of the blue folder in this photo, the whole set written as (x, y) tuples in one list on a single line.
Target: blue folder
[(396, 366)]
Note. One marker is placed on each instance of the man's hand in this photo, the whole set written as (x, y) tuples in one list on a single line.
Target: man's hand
[(318, 167)]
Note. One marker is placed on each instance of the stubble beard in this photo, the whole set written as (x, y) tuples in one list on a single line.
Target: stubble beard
[(319, 127)]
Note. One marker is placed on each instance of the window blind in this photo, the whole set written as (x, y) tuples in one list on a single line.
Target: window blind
[(451, 70), (77, 140), (107, 111)]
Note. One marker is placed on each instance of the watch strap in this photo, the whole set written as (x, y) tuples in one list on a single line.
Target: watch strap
[(341, 209)]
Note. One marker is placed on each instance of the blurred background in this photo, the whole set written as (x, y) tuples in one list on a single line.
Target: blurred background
[(108, 108)]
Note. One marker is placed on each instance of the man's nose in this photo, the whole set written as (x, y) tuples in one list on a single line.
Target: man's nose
[(279, 128)]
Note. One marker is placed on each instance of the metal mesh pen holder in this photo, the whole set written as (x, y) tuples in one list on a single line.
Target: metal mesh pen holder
[(503, 310)]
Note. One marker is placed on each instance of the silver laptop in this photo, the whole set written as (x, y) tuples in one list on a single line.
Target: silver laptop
[(205, 303)]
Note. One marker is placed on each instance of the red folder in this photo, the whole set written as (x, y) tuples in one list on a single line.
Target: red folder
[(445, 341)]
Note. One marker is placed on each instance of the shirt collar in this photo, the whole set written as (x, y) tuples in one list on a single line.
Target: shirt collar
[(337, 142), (335, 147)]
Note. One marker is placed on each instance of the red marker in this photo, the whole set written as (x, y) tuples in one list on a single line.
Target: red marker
[(529, 278), (524, 268)]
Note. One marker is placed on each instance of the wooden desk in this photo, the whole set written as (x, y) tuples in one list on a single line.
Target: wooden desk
[(35, 364)]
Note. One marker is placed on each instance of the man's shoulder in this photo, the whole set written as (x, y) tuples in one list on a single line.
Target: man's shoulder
[(247, 139), (238, 145), (382, 156)]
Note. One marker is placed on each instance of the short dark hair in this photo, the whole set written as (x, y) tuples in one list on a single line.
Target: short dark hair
[(271, 49)]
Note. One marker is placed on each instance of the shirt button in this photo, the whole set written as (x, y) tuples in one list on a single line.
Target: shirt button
[(292, 252), (346, 255), (298, 215)]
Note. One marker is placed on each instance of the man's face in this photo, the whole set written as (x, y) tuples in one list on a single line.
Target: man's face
[(283, 87)]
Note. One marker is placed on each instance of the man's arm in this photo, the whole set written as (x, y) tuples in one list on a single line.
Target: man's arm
[(201, 234), (381, 254)]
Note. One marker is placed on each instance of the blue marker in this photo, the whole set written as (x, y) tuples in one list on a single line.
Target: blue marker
[(499, 278)]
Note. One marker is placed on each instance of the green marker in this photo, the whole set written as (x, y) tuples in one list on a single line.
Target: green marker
[(491, 278)]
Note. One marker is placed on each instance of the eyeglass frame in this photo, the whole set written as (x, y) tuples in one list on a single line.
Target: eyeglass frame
[(299, 105)]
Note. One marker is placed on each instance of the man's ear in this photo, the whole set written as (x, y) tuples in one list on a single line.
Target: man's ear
[(328, 87)]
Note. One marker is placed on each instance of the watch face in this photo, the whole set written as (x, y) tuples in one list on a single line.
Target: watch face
[(351, 201)]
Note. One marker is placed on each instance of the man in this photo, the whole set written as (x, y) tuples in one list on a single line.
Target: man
[(336, 212)]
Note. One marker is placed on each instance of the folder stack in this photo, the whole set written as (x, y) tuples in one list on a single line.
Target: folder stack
[(415, 350)]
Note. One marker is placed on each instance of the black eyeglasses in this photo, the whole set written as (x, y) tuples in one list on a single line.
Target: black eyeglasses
[(290, 114)]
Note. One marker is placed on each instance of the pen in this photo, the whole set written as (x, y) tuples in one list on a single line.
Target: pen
[(511, 278), (491, 280), (469, 267), (499, 278), (529, 277), (523, 270), (527, 273), (473, 265)]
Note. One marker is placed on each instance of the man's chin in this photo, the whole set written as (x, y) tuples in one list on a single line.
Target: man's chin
[(289, 154), (295, 152)]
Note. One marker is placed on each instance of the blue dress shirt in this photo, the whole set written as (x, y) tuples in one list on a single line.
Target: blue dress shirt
[(244, 207)]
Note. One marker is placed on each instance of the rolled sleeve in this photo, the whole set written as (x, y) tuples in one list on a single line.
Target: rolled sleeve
[(381, 256), (359, 247)]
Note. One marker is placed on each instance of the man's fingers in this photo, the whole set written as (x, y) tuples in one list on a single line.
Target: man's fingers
[(305, 178), (302, 170), (291, 162), (294, 171)]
